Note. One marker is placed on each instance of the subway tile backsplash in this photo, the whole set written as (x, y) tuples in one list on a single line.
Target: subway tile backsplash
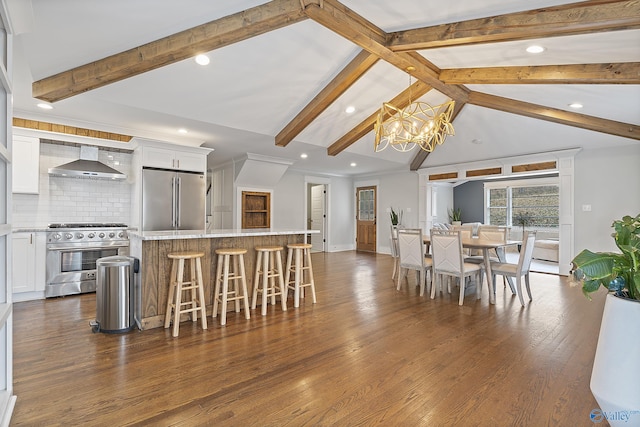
[(64, 199)]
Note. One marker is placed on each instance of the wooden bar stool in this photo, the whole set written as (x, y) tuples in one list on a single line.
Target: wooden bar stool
[(298, 266), (224, 293), (194, 288), (265, 277)]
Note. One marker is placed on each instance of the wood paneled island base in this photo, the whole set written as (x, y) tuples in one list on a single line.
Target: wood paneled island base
[(152, 248)]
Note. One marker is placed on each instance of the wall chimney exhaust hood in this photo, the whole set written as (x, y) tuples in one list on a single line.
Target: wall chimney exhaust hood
[(87, 166)]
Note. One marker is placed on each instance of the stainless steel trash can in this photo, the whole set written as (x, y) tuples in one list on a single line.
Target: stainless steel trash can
[(114, 295)]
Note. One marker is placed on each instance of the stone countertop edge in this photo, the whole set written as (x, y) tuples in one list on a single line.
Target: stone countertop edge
[(204, 234), (29, 229)]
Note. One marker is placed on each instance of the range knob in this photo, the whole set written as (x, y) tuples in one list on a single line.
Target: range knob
[(79, 235), (101, 235), (121, 235), (91, 235), (56, 236), (68, 236), (112, 235)]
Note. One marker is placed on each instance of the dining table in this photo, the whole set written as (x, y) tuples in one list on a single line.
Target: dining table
[(485, 245)]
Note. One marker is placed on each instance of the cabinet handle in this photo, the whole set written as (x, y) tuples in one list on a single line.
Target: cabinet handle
[(31, 239), (178, 161)]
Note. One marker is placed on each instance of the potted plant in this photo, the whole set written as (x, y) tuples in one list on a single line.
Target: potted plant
[(455, 216), (615, 378), (395, 218), (522, 219)]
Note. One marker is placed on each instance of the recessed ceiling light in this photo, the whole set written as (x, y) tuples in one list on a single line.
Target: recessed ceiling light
[(350, 109), (303, 156), (45, 106), (353, 164), (575, 105), (535, 49), (183, 130), (202, 59)]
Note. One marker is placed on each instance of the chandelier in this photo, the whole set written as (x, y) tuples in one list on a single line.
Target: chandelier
[(418, 124)]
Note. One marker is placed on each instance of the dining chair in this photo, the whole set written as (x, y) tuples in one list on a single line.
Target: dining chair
[(412, 257), (394, 250), (466, 232), (493, 233), (446, 249), (520, 269)]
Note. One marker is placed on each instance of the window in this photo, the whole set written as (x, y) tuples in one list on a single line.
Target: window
[(538, 204), (366, 204), (536, 201), (497, 206)]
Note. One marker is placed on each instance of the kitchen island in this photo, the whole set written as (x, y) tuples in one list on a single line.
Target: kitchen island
[(152, 247)]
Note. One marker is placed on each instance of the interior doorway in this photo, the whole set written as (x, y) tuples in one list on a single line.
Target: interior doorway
[(366, 219), (317, 215)]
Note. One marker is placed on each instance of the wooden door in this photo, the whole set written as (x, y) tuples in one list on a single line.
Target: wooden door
[(366, 219)]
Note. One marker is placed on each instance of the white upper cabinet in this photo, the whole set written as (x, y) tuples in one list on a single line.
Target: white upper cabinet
[(26, 164), (170, 158)]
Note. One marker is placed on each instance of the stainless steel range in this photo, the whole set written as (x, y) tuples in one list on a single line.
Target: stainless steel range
[(72, 252)]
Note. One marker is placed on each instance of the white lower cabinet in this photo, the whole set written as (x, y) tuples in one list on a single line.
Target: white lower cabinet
[(28, 266)]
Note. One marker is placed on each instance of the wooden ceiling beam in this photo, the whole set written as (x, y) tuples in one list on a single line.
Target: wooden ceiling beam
[(422, 155), (69, 130), (343, 21), (343, 81), (611, 127), (613, 73), (570, 19), (415, 91), (168, 50)]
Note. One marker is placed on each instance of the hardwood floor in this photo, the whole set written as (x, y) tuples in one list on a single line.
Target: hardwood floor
[(365, 354)]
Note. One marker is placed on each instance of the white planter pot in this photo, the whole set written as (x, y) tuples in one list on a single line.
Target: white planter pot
[(615, 379)]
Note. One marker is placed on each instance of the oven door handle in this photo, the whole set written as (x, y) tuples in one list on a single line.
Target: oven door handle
[(86, 248)]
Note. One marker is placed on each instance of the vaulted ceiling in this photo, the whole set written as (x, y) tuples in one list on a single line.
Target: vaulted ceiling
[(283, 72)]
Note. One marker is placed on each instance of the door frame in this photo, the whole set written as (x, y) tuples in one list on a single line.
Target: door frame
[(375, 215), (314, 180), (356, 185), (323, 236)]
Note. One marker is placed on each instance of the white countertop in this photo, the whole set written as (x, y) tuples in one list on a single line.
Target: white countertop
[(208, 234)]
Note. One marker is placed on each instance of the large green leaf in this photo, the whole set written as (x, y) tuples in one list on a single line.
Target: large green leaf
[(595, 265)]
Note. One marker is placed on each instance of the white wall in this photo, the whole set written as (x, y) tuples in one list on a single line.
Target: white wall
[(64, 199), (400, 191), (288, 204), (608, 180), (288, 207), (342, 211)]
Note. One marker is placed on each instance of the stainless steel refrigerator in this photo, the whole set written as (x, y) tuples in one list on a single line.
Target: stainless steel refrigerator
[(172, 200)]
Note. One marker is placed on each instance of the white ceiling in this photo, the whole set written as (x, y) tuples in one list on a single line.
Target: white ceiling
[(252, 89)]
